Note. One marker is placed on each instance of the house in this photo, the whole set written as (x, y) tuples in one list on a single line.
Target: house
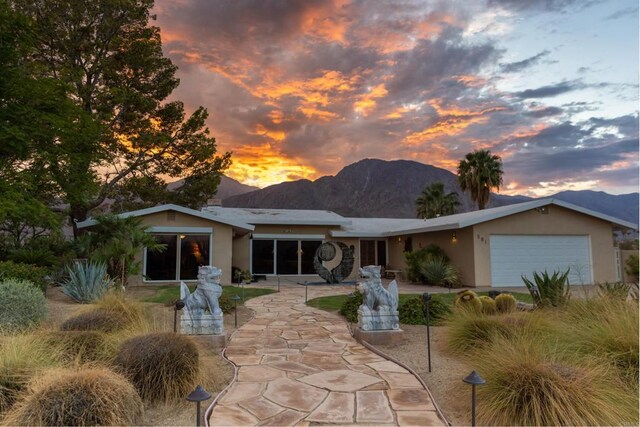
[(492, 247)]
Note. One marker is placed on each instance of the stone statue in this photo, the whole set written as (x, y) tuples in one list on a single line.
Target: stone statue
[(326, 252), (202, 313), (379, 310)]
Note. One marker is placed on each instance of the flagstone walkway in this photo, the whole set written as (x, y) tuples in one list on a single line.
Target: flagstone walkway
[(300, 366)]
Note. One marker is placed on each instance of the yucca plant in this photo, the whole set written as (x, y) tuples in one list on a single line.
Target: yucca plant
[(437, 271), (87, 281), (549, 291)]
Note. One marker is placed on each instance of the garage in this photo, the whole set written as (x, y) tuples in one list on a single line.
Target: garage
[(515, 255)]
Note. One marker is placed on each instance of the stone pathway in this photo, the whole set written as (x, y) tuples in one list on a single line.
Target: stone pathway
[(300, 366)]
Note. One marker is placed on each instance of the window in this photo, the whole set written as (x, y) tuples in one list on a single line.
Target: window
[(373, 252), (181, 259), (286, 257)]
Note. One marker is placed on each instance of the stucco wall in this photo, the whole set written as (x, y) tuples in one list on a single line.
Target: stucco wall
[(559, 221), (460, 252), (293, 229), (221, 249), (240, 252)]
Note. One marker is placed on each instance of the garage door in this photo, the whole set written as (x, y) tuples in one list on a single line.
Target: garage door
[(517, 255)]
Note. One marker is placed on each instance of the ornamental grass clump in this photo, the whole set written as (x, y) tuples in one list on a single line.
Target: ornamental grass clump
[(22, 305), (616, 290), (506, 303), (132, 312), (85, 397), (163, 366), (80, 347), (468, 301), (87, 282), (468, 330), (535, 382), (94, 320)]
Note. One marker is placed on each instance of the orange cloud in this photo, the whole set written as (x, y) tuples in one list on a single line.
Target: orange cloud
[(276, 135), (366, 103)]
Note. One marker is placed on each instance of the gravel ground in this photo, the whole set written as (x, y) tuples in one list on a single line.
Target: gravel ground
[(445, 381)]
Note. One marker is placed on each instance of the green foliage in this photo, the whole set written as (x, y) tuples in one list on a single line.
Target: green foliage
[(78, 397), (416, 258), (350, 306), (162, 366), (116, 242), (22, 305), (552, 290), (226, 304), (468, 301), (34, 274), (435, 271), (616, 290), (488, 304), (478, 173), (412, 311), (506, 303), (434, 202), (632, 268), (87, 281)]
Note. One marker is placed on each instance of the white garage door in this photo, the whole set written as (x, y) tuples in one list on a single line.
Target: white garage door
[(514, 256)]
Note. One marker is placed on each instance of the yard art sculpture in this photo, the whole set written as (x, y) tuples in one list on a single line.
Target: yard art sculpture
[(379, 310), (327, 252), (202, 314)]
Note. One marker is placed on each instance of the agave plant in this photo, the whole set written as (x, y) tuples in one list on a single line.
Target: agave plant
[(549, 290), (87, 281)]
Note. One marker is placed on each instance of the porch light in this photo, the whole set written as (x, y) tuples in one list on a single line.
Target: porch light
[(454, 238), (182, 236), (399, 239)]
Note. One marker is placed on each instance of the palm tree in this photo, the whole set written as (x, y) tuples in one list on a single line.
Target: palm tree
[(478, 173), (433, 202)]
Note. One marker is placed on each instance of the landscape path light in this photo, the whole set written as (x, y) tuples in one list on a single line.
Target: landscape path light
[(235, 299), (179, 305), (474, 379), (198, 395), (426, 297)]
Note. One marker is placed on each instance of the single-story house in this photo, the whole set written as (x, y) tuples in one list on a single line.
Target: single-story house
[(491, 247)]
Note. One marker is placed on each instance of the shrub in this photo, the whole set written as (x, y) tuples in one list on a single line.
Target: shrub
[(488, 305), (413, 260), (162, 366), (530, 383), (79, 346), (632, 267), (130, 311), (506, 303), (435, 271), (412, 311), (94, 320), (552, 290), (350, 307), (87, 281), (22, 305), (83, 397), (617, 290), (32, 273), (226, 304), (469, 330), (468, 300)]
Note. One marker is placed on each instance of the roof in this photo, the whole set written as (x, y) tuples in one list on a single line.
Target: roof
[(452, 222), (236, 223), (278, 216), (374, 227)]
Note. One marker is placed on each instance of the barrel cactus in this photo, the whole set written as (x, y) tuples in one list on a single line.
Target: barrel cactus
[(468, 300), (488, 304), (506, 303)]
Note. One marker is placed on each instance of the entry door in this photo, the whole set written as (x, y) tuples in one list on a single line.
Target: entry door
[(516, 255)]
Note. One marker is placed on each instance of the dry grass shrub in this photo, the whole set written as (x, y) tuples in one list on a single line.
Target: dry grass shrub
[(536, 382), (85, 397), (94, 320), (21, 357), (163, 366), (80, 347), (132, 312)]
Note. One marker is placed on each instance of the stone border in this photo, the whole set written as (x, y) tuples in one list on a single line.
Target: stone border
[(405, 366)]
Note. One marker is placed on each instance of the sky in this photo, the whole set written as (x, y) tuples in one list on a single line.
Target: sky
[(299, 89)]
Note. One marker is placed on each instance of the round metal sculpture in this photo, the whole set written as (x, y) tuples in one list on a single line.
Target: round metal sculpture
[(327, 252)]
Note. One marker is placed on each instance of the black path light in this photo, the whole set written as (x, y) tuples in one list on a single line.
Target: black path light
[(306, 289), (474, 379), (235, 299), (426, 297), (179, 305), (198, 395)]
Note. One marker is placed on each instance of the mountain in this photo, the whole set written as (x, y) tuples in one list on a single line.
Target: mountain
[(388, 189), (228, 187)]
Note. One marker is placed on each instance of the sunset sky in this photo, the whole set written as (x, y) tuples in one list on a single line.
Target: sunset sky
[(301, 88)]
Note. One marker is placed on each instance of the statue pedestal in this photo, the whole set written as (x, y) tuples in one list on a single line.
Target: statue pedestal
[(378, 320), (379, 337), (201, 323)]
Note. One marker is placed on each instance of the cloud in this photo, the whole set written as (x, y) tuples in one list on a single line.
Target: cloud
[(628, 11), (514, 67), (551, 90)]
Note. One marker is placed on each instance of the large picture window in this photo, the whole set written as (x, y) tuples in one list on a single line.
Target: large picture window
[(373, 252), (181, 259), (283, 256)]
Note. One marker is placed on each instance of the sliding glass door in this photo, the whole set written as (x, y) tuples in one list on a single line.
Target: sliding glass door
[(283, 256)]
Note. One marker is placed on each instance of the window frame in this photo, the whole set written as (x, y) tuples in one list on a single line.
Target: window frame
[(274, 239)]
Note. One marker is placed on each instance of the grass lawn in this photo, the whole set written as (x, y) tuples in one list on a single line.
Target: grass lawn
[(168, 294), (334, 302)]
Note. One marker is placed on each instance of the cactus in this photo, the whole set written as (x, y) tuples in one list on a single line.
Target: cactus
[(506, 303), (468, 300), (488, 304)]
